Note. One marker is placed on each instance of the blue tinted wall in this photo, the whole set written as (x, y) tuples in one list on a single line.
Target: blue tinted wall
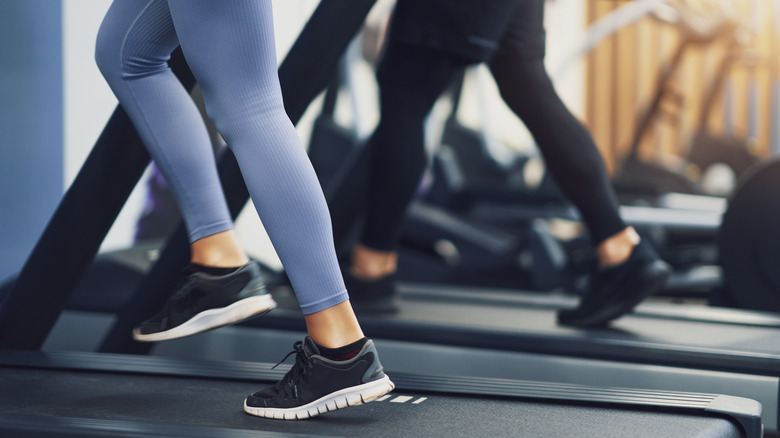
[(31, 124)]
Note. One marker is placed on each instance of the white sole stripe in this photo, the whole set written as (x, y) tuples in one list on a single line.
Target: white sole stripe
[(347, 397), (214, 318)]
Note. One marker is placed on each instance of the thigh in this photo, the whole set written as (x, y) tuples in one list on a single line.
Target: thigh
[(412, 72), (229, 46), (525, 35), (468, 28)]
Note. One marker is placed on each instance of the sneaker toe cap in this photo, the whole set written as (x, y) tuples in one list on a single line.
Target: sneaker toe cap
[(256, 402)]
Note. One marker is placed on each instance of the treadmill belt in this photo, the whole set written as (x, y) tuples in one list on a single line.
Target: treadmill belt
[(117, 404), (532, 328)]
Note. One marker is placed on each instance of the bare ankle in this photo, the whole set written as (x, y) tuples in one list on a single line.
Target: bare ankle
[(617, 248), (220, 250), (368, 263), (334, 327)]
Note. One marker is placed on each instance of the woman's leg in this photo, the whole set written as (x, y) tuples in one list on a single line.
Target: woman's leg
[(133, 47), (569, 151), (629, 271), (410, 80), (230, 49), (219, 287), (568, 148)]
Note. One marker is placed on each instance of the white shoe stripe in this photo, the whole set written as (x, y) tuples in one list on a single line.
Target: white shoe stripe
[(347, 397), (213, 318)]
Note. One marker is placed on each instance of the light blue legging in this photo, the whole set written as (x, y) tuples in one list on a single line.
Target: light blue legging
[(229, 46)]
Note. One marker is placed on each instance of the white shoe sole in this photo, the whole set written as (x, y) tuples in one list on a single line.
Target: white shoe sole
[(347, 397), (213, 318)]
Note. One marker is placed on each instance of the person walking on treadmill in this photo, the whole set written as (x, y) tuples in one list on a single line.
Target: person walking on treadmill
[(428, 43), (229, 46)]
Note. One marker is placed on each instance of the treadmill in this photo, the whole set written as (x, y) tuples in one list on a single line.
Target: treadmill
[(111, 395), (67, 394), (514, 335), (499, 334), (476, 332)]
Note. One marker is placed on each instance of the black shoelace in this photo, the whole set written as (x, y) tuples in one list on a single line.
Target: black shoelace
[(288, 386)]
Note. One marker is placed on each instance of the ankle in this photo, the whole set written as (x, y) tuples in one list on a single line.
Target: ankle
[(345, 352), (219, 262), (617, 248), (334, 327), (219, 250), (370, 264)]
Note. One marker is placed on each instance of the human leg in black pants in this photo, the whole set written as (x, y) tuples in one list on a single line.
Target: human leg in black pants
[(410, 80), (629, 271), (413, 75)]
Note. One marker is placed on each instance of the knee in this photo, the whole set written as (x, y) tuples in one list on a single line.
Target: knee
[(107, 56), (119, 59), (239, 106)]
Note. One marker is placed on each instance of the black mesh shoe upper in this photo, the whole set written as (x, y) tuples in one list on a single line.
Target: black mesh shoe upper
[(313, 376), (197, 292), (616, 290)]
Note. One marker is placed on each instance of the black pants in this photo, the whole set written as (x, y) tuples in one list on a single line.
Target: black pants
[(411, 78)]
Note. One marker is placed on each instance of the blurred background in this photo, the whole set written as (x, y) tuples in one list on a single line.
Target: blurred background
[(681, 97)]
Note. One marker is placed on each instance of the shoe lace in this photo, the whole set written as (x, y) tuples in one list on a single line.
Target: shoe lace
[(288, 386)]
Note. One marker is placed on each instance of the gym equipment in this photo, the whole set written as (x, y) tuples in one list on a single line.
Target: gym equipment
[(465, 169), (441, 246), (507, 335), (749, 241), (331, 143), (78, 394), (642, 179), (14, 334)]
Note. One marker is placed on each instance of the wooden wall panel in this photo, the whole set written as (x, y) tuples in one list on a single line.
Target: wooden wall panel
[(624, 69), (600, 80)]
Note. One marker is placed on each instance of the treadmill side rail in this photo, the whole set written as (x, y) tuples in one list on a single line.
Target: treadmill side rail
[(745, 411)]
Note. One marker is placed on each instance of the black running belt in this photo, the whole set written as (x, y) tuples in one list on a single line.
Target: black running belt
[(84, 394)]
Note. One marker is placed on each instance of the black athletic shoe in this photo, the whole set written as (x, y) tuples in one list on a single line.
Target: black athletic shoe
[(615, 291), (204, 302), (316, 385), (372, 296)]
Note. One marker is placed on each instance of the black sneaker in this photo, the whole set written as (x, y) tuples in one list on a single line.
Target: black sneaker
[(615, 291), (369, 297), (315, 384), (204, 302)]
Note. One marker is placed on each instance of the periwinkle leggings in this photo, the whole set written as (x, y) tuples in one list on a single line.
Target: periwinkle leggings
[(229, 46)]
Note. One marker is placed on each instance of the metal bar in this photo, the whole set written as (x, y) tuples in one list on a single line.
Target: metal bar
[(74, 233)]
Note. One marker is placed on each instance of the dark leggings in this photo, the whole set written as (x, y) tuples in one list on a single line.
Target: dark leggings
[(411, 78), (572, 157)]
